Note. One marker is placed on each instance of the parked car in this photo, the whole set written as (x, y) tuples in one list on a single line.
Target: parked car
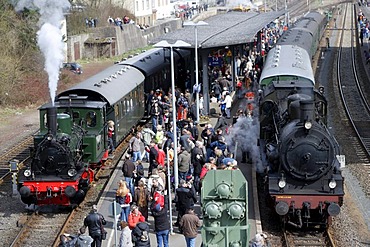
[(74, 67)]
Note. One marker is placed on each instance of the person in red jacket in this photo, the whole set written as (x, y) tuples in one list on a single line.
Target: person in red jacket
[(161, 155), (135, 217)]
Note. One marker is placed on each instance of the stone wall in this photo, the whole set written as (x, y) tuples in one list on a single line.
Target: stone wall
[(130, 38)]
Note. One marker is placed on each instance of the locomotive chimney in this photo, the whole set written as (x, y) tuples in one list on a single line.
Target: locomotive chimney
[(52, 120), (307, 110)]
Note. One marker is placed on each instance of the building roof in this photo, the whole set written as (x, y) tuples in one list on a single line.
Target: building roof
[(226, 29)]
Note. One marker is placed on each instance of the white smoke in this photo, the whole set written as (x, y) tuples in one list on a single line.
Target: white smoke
[(49, 37), (245, 132), (237, 3)]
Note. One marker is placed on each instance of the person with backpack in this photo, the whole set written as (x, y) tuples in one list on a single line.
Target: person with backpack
[(140, 235)]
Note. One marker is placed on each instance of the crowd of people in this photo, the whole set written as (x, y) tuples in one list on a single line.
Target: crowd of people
[(120, 22)]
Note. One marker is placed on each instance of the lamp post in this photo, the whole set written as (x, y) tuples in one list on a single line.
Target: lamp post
[(199, 23), (165, 44)]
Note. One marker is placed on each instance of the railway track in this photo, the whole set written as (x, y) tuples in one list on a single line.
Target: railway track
[(352, 96), (39, 230), (44, 229), (20, 152), (307, 239)]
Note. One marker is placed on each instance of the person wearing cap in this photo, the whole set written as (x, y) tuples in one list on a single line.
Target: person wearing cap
[(162, 225), (95, 221), (135, 217), (189, 224)]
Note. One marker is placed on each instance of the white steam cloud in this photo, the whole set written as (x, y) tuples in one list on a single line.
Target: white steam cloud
[(245, 132), (236, 3), (49, 37)]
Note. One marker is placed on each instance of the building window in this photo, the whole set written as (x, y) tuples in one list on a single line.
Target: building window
[(137, 5), (147, 4)]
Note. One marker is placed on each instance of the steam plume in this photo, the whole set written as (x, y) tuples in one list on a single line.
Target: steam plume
[(49, 37), (245, 132)]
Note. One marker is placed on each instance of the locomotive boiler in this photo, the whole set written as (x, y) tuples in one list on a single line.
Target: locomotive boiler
[(301, 155)]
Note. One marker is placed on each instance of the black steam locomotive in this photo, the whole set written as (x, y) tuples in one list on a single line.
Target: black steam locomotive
[(303, 158)]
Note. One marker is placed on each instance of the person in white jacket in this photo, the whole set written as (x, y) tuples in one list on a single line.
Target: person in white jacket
[(125, 239), (228, 101)]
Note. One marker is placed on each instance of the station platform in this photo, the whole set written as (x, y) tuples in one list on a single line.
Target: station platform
[(176, 238)]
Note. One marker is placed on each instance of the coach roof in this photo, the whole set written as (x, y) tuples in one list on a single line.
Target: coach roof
[(153, 60), (224, 29), (110, 85)]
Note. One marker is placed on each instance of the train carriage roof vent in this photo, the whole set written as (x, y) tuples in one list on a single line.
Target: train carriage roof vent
[(142, 60), (119, 72), (148, 57), (130, 56), (114, 76), (276, 60), (97, 84), (274, 65)]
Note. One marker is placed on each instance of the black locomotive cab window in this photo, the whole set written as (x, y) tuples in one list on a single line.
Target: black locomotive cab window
[(76, 115), (91, 119)]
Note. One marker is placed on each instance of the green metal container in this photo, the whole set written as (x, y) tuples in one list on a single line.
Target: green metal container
[(224, 199)]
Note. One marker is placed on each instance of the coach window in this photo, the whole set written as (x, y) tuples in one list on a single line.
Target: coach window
[(122, 108), (91, 119)]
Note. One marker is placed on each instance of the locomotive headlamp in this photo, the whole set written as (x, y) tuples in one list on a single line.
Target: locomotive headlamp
[(50, 137), (332, 184), (72, 172), (27, 173), (282, 183), (308, 125)]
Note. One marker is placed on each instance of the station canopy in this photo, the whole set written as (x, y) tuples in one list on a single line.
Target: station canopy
[(231, 28)]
